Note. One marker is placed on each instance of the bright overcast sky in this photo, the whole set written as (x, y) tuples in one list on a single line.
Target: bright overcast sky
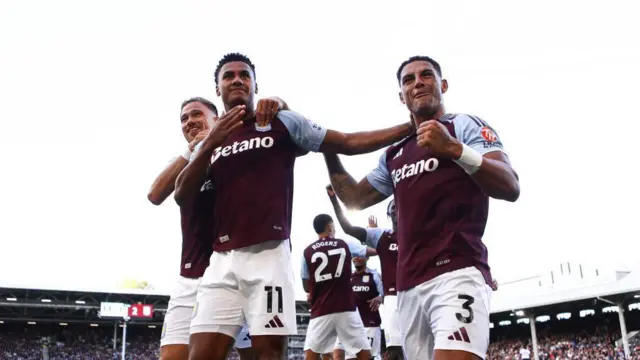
[(90, 94)]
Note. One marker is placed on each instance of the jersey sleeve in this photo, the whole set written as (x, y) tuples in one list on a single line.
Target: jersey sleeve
[(477, 134), (304, 270), (373, 236), (380, 178), (304, 133), (357, 249), (378, 281)]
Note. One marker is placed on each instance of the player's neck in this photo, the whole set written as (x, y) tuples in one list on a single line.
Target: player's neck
[(421, 117), (361, 270), (249, 111), (324, 235)]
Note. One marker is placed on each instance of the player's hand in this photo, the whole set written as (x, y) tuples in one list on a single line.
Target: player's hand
[(434, 136), (374, 304), (373, 222), (309, 298), (494, 285), (330, 191), (201, 136), (267, 110), (224, 126)]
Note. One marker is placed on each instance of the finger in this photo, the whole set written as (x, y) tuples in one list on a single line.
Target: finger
[(260, 115), (235, 115), (268, 112)]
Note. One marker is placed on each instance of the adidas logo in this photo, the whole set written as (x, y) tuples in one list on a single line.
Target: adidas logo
[(274, 323), (398, 154), (460, 335)]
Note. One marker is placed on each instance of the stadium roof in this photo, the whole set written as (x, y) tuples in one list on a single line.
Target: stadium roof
[(536, 294)]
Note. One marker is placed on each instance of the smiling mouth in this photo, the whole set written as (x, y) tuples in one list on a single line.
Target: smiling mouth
[(420, 95)]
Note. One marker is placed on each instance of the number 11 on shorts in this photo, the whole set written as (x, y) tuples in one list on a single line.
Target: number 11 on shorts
[(269, 290)]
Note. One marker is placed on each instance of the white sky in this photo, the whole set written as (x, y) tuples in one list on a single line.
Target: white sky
[(90, 94)]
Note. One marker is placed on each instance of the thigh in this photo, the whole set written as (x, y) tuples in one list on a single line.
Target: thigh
[(391, 323), (415, 328), (267, 284), (352, 333), (321, 334), (219, 302), (373, 336), (177, 320), (460, 314)]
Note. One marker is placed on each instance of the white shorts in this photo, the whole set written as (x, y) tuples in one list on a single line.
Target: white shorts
[(390, 324), (323, 332), (177, 320), (449, 312), (255, 285), (373, 339)]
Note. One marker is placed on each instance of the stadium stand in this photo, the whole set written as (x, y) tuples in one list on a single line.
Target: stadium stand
[(576, 316)]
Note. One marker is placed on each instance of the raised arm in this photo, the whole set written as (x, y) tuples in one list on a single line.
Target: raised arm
[(358, 195), (194, 174), (477, 149), (355, 231), (164, 184)]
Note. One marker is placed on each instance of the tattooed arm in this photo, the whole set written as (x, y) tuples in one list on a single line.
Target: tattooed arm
[(369, 191)]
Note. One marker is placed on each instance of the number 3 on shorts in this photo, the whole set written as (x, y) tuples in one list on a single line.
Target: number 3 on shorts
[(269, 290), (466, 305)]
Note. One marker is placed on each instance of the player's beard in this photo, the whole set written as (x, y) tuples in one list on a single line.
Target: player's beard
[(429, 109), (360, 267)]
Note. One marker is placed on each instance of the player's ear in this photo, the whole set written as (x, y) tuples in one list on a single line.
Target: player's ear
[(217, 90), (444, 86), (401, 97), (256, 88)]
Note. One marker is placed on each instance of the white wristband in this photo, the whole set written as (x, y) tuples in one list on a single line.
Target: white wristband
[(470, 160), (187, 154)]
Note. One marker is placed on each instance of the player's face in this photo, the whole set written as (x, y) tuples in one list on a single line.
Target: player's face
[(421, 88), (359, 261), (236, 85), (393, 214), (194, 118)]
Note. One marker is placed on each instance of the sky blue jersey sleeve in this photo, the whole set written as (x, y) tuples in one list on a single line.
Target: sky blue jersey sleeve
[(378, 281), (357, 249), (304, 270), (304, 133), (373, 236), (477, 134), (380, 178)]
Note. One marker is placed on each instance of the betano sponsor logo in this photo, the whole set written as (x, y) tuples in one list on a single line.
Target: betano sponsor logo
[(409, 170), (360, 288), (240, 146)]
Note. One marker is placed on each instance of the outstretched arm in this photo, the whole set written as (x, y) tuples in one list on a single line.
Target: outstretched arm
[(313, 137), (355, 195), (363, 142), (355, 231)]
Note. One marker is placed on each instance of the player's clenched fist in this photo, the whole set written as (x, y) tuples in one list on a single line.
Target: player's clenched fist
[(434, 136), (224, 126)]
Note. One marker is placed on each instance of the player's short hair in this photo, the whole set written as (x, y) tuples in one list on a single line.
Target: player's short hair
[(419, 58), (231, 57), (202, 101), (320, 223), (390, 205)]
